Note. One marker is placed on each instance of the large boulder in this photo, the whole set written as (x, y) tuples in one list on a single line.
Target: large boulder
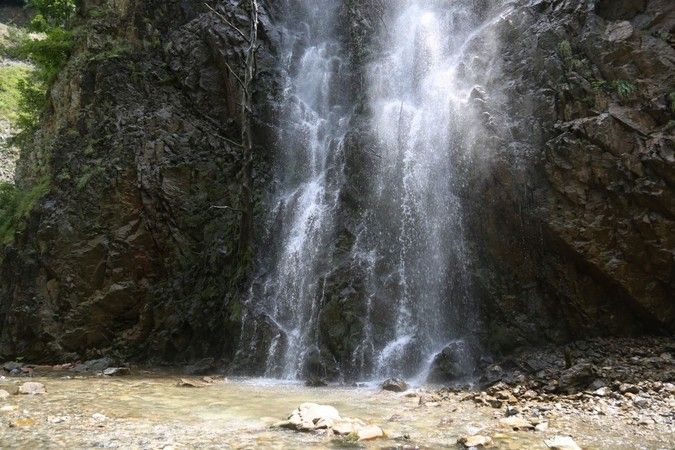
[(454, 362)]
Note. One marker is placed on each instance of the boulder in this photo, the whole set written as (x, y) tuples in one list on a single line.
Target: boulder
[(395, 385), (94, 365), (311, 416), (577, 377), (454, 362)]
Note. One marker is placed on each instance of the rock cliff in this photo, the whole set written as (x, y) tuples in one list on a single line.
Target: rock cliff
[(571, 205)]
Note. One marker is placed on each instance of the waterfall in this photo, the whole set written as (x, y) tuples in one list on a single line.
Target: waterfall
[(409, 250), (422, 116), (314, 114)]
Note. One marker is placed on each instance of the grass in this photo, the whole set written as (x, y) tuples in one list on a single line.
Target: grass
[(11, 77)]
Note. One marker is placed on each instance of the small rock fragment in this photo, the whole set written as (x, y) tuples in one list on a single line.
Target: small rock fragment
[(543, 426), (476, 440), (117, 371), (561, 443), (516, 423), (369, 432)]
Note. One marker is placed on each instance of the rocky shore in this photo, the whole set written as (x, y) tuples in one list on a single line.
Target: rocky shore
[(599, 393)]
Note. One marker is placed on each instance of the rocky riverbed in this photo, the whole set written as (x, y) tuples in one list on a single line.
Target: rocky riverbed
[(99, 405)]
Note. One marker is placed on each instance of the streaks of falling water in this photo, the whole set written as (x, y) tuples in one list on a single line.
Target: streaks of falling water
[(308, 176), (418, 93)]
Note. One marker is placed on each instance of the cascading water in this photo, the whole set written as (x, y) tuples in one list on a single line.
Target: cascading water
[(419, 96), (409, 252), (308, 175)]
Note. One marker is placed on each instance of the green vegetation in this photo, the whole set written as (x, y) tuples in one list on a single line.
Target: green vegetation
[(565, 49), (15, 205), (624, 88), (47, 50), (11, 77), (51, 13)]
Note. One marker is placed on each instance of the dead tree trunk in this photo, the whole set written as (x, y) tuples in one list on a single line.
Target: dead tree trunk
[(245, 81), (250, 69)]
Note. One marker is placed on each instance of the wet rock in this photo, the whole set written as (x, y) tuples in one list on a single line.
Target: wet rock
[(516, 423), (561, 443), (315, 382), (117, 371), (94, 365), (309, 416), (395, 385), (476, 440), (12, 365), (369, 432), (577, 377), (187, 383), (32, 388), (455, 361)]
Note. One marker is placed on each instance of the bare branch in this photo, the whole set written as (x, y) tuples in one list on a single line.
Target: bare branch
[(224, 19)]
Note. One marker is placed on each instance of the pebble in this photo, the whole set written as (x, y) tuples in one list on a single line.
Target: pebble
[(476, 440), (32, 388)]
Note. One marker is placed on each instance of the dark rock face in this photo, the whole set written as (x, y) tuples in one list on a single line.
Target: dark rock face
[(571, 212), (125, 254)]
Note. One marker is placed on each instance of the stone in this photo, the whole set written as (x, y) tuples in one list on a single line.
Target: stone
[(602, 392), (117, 371), (627, 388), (98, 417), (516, 423), (395, 385), (454, 362), (511, 411), (4, 395), (619, 31), (577, 377), (11, 365), (561, 443), (369, 432), (32, 388), (185, 382), (476, 440), (314, 381), (640, 402), (94, 365), (542, 426), (310, 416)]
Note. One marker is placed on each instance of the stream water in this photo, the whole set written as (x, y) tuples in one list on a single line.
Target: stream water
[(153, 412)]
